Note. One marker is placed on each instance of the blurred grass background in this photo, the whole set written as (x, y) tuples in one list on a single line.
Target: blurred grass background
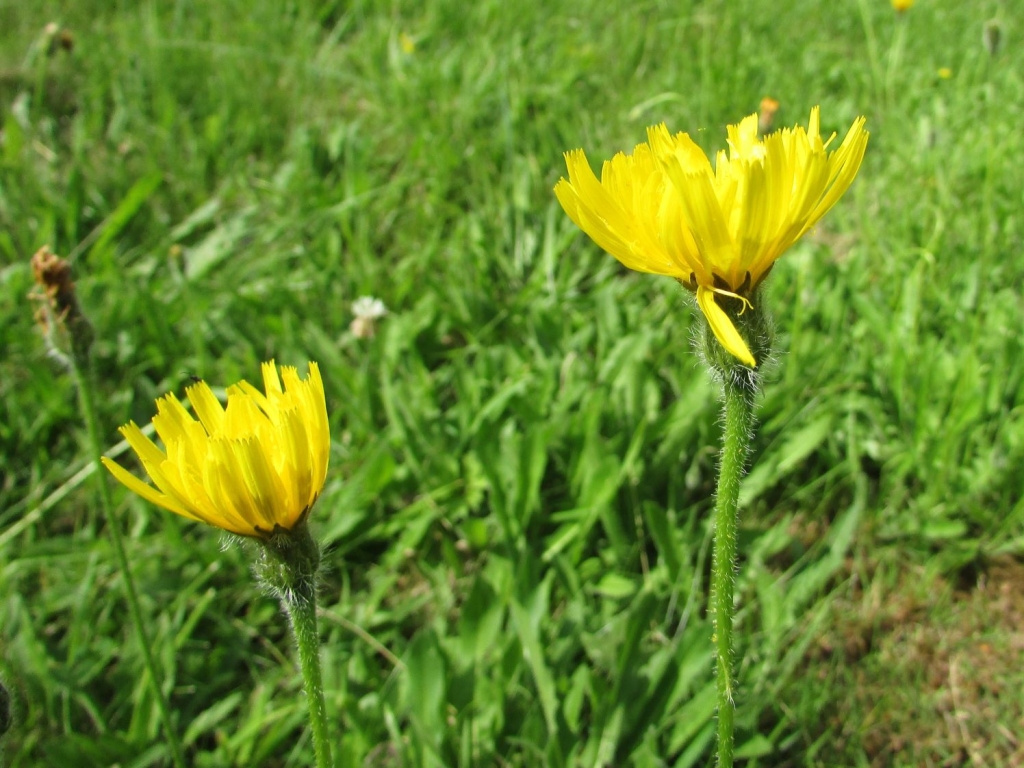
[(516, 517)]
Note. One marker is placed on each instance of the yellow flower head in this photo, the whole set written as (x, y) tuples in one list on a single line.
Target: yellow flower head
[(902, 6), (766, 115), (250, 468), (666, 211)]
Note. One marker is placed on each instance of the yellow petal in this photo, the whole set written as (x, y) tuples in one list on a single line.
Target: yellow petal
[(142, 445), (704, 218), (271, 382), (844, 165), (155, 462), (263, 487), (172, 421), (723, 328), (207, 407), (314, 407), (148, 492), (242, 417)]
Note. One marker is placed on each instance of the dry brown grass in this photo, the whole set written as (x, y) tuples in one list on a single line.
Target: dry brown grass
[(929, 674)]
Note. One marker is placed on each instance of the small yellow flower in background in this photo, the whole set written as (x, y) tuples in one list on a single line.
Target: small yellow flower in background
[(902, 6), (945, 73), (407, 44), (665, 210), (251, 468), (766, 114)]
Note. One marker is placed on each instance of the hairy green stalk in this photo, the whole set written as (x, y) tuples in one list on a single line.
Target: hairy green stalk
[(302, 612), (738, 417), (287, 567), (83, 380), (740, 387)]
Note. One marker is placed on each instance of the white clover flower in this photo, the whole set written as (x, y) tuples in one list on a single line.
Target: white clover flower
[(367, 310)]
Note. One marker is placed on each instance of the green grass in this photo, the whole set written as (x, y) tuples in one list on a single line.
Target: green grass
[(524, 456)]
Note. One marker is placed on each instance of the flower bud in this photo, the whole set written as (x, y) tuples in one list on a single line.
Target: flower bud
[(60, 317)]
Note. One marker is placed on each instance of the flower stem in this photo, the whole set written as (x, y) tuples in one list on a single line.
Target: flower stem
[(83, 380), (287, 565), (738, 407), (300, 604)]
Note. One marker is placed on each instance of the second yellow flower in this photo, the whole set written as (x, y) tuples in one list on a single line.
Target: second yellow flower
[(251, 468), (666, 211)]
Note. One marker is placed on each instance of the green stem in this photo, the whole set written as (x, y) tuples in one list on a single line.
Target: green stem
[(83, 379), (895, 56), (874, 59), (739, 414), (287, 565), (300, 604)]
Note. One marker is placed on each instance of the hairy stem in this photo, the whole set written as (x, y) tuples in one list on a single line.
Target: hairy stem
[(738, 415), (300, 604)]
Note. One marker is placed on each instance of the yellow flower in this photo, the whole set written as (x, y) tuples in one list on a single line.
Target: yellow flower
[(250, 468), (902, 6), (766, 115), (666, 211)]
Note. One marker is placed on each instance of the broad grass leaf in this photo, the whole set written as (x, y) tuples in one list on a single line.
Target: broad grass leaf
[(481, 621), (527, 616), (427, 672), (615, 586), (212, 717), (130, 204)]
